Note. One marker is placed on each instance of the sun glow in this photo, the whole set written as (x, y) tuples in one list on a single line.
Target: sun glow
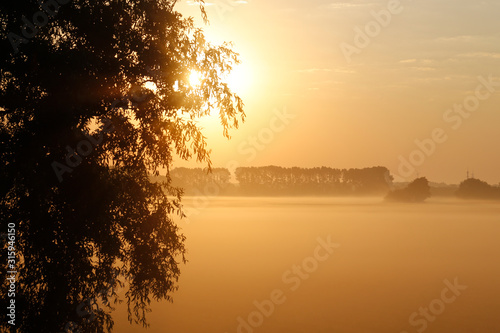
[(239, 79), (194, 78)]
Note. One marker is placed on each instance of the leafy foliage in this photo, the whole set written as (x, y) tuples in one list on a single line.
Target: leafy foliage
[(91, 104)]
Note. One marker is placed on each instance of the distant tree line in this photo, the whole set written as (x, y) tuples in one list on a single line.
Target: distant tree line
[(274, 180), (196, 181), (419, 190)]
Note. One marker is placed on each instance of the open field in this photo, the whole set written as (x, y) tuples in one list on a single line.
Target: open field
[(392, 260)]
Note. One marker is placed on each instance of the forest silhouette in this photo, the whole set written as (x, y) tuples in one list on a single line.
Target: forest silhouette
[(275, 180), (321, 181)]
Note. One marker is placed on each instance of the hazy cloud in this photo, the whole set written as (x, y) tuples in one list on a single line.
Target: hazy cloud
[(218, 2), (408, 61), (325, 70), (341, 5), (460, 39), (314, 70), (490, 55)]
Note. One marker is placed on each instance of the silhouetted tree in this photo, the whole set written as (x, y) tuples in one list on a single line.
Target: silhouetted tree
[(94, 96), (416, 191), (473, 188)]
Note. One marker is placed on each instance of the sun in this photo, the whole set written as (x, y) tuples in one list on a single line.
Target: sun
[(238, 79), (194, 78)]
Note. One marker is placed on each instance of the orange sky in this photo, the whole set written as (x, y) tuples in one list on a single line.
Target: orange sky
[(361, 82)]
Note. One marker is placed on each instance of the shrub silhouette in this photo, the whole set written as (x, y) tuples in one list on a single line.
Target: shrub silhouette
[(416, 191)]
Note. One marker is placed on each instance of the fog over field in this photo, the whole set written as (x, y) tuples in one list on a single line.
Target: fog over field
[(341, 265)]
